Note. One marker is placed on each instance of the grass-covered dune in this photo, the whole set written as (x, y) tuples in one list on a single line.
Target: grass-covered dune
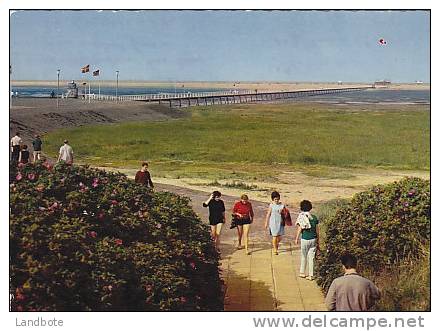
[(395, 136)]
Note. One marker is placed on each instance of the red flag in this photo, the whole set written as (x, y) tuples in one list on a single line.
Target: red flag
[(85, 69), (96, 73)]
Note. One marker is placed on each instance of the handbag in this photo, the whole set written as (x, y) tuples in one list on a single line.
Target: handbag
[(233, 222), (285, 217)]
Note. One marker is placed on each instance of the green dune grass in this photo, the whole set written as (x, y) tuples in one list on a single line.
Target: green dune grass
[(262, 136)]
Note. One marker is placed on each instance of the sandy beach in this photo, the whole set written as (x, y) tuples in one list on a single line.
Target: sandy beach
[(261, 86)]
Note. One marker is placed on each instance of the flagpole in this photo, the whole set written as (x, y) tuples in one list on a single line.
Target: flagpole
[(89, 85)]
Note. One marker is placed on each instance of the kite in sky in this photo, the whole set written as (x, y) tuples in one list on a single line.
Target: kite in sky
[(382, 41)]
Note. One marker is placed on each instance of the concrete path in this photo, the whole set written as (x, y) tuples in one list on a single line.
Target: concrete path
[(260, 281)]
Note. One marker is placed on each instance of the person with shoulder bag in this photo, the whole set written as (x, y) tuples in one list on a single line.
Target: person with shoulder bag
[(307, 228), (243, 215)]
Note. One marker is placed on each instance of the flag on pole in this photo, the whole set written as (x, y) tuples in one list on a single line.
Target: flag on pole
[(85, 69), (96, 73)]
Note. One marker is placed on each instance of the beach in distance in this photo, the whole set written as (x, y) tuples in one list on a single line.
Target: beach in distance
[(245, 85)]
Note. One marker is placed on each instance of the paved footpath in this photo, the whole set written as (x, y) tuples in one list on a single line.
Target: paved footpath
[(261, 281)]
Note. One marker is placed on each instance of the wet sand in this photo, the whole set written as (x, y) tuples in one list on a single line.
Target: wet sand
[(261, 86)]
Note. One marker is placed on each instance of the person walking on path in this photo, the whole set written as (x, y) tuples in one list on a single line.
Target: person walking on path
[(66, 153), (15, 147), (307, 228), (274, 221), (143, 176), (216, 215), (24, 155), (243, 215), (351, 292), (36, 144)]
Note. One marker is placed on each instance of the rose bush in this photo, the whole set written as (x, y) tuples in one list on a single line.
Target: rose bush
[(382, 226), (83, 239)]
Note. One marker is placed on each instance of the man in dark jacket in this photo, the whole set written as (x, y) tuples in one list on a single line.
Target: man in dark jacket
[(37, 143), (143, 176)]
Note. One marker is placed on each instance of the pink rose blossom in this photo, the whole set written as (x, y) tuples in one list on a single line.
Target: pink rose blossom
[(118, 241), (114, 202), (158, 225), (183, 299), (47, 165), (92, 234), (193, 265), (19, 176), (19, 296), (31, 176)]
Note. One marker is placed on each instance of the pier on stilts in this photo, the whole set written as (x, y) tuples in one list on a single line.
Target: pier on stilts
[(222, 97)]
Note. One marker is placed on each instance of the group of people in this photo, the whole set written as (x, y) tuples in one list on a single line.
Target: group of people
[(21, 154), (243, 216), (350, 292)]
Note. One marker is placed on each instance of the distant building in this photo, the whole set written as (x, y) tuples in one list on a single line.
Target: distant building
[(419, 82), (382, 83)]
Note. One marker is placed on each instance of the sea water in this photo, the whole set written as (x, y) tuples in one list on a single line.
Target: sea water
[(372, 96), (45, 92)]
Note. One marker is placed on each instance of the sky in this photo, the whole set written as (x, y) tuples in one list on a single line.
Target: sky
[(306, 46)]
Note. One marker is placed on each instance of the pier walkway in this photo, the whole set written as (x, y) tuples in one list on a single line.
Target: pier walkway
[(223, 97)]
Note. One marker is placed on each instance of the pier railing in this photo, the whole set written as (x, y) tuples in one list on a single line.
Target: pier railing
[(166, 96)]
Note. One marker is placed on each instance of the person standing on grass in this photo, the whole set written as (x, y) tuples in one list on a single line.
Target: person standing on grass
[(351, 292), (66, 153), (307, 228), (24, 155), (15, 147), (216, 215), (143, 176), (274, 221), (36, 144), (244, 215)]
